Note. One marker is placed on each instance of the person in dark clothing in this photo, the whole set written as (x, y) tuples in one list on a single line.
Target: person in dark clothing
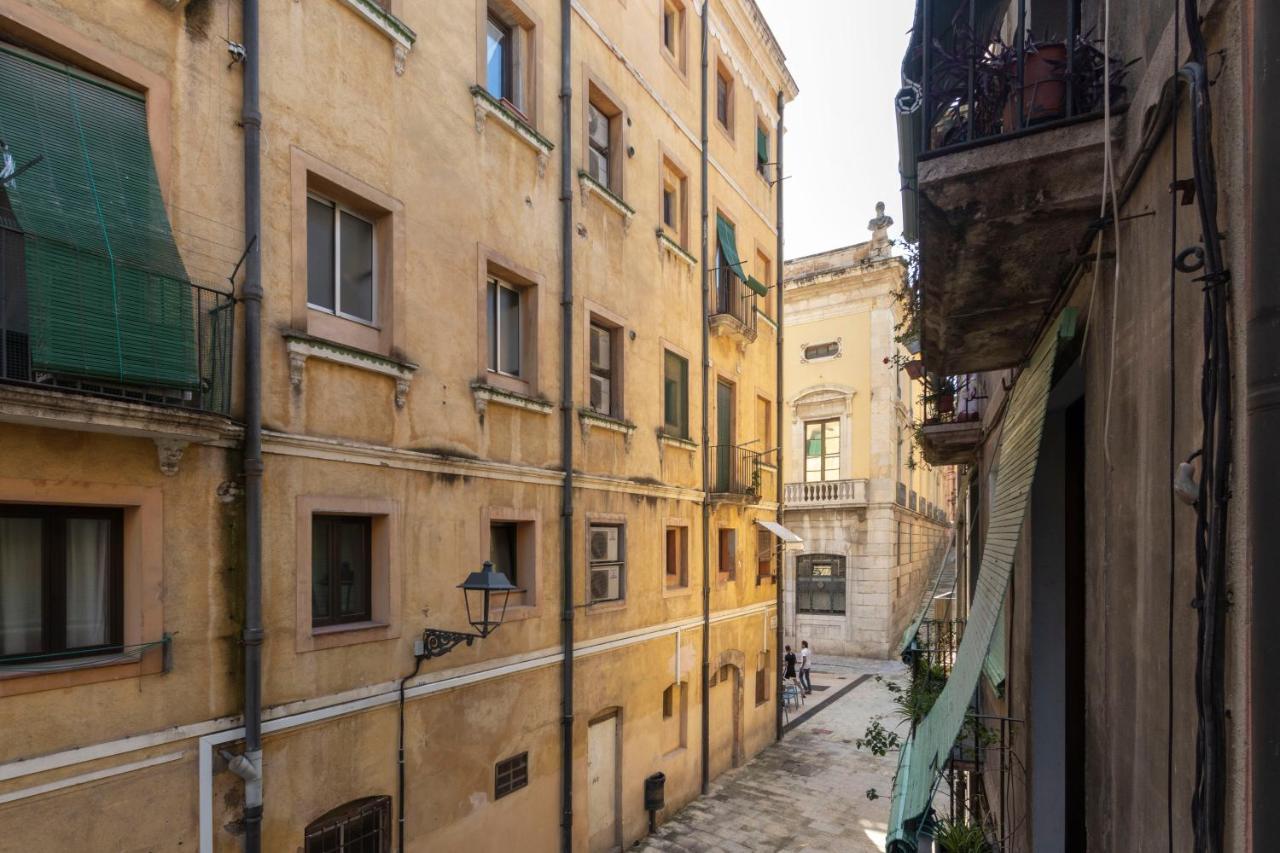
[(790, 660)]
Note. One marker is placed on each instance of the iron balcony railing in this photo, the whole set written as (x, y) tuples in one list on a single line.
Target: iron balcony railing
[(734, 300), (953, 400), (102, 327), (737, 471), (825, 493), (969, 83)]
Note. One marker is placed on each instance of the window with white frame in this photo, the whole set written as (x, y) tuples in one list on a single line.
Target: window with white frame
[(822, 450), (341, 259), (606, 558), (504, 310), (599, 146), (604, 396)]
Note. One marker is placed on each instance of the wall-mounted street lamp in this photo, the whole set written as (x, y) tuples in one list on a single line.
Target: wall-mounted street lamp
[(485, 593)]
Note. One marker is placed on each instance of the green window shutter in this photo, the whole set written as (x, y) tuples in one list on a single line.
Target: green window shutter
[(729, 246), (762, 145), (108, 296), (757, 286)]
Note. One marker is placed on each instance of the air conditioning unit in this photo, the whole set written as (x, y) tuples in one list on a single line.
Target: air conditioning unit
[(600, 396), (604, 545), (605, 583), (598, 127), (598, 166)]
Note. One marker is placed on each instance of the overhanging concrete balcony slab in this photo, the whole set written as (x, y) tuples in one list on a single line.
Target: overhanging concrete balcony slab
[(951, 443), (1001, 224)]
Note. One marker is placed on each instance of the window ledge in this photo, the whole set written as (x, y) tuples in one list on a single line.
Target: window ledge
[(485, 394), (607, 606), (345, 627), (676, 250), (676, 591), (401, 36), (487, 105), (676, 441), (301, 347), (590, 419), (590, 186)]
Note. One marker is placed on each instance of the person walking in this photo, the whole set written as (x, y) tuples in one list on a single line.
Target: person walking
[(789, 659), (806, 680)]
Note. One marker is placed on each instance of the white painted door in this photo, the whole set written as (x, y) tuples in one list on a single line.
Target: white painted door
[(602, 785)]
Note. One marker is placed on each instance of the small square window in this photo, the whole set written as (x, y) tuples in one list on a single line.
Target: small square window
[(674, 199), (606, 555), (510, 775), (340, 261), (504, 551)]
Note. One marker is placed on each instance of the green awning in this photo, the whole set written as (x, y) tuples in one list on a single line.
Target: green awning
[(762, 145), (107, 294), (925, 753), (729, 246), (993, 665), (754, 284)]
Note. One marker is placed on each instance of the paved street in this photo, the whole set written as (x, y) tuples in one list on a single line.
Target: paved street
[(809, 792)]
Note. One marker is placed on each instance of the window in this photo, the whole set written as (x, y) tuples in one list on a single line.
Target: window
[(605, 396), (604, 140), (762, 678), (61, 580), (606, 546), (764, 424), (762, 150), (673, 33), (675, 395), (510, 775), (675, 183), (724, 98), (822, 450), (361, 826), (677, 556), (340, 261), (764, 554), (820, 583), (728, 269), (499, 55), (675, 716), (505, 324), (341, 569), (728, 551), (827, 349), (504, 551)]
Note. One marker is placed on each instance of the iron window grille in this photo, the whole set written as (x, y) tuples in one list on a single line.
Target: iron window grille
[(820, 584), (360, 826), (510, 775)]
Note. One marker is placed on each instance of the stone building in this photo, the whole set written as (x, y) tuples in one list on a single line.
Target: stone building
[(873, 515), (432, 395), (1097, 274)]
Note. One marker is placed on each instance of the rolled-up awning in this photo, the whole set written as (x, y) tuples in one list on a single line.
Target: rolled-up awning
[(789, 539), (728, 242), (927, 748)]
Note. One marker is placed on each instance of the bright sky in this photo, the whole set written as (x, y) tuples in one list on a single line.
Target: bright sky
[(841, 143)]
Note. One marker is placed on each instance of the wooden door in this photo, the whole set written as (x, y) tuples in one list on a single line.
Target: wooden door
[(602, 785)]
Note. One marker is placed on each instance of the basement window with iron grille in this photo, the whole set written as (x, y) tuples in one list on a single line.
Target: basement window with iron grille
[(360, 826), (510, 775)]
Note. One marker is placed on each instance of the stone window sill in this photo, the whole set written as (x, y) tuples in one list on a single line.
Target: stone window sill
[(487, 106), (486, 394), (590, 419), (591, 187), (677, 591), (671, 247), (676, 441), (401, 36), (607, 606), (302, 347)]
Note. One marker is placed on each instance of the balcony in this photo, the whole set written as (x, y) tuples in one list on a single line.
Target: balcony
[(144, 338), (951, 432), (733, 311), (737, 475), (1001, 153), (827, 494)]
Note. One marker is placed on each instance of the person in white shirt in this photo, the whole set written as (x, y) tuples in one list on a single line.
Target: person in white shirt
[(805, 678)]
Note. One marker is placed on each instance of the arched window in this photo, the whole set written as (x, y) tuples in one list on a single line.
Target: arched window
[(360, 826), (820, 583)]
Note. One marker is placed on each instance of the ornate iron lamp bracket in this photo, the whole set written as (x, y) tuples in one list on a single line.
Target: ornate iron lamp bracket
[(437, 643)]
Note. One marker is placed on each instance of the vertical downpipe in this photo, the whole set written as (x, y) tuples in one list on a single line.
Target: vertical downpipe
[(566, 431), (706, 436), (251, 121), (1262, 377), (778, 574)]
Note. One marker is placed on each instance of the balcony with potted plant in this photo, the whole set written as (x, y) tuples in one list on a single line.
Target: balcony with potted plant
[(951, 431), (1001, 145)]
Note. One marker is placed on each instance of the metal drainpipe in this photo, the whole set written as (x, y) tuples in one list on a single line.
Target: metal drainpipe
[(706, 447), (566, 430), (251, 121), (1262, 377), (777, 433)]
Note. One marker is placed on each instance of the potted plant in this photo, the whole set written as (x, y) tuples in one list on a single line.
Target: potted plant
[(959, 836), (1043, 94)]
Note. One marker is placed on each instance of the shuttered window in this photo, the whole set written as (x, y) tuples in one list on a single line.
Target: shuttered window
[(107, 295)]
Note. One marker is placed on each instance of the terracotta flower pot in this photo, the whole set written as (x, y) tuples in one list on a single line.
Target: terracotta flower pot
[(946, 403), (1044, 86), (914, 368)]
